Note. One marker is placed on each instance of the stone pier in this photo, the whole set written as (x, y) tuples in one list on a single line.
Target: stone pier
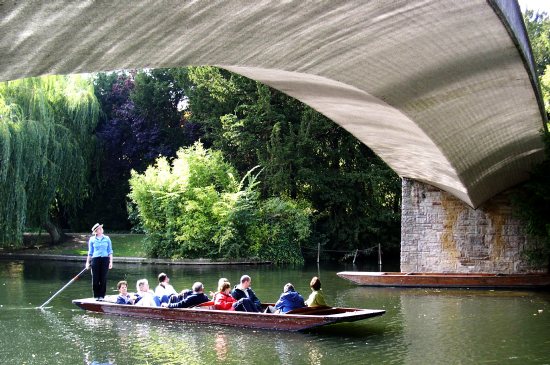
[(439, 233)]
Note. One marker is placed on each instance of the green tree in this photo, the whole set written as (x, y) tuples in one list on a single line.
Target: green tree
[(532, 205), (532, 199), (46, 146), (175, 201), (282, 226), (538, 29), (141, 119), (194, 207), (157, 95), (353, 195), (545, 88)]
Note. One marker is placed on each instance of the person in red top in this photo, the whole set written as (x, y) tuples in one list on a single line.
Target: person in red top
[(223, 299)]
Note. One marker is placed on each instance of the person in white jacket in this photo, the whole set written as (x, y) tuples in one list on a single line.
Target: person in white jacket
[(145, 296), (164, 290)]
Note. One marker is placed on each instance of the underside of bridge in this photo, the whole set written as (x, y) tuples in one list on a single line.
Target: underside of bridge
[(443, 91)]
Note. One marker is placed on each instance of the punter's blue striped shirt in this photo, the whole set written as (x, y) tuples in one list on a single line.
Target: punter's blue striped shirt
[(100, 246)]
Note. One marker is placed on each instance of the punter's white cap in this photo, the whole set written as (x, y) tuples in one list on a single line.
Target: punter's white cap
[(96, 226)]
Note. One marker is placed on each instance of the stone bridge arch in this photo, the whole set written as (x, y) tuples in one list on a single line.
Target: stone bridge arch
[(444, 92)]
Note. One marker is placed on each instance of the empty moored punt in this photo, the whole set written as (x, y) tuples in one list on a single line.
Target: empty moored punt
[(299, 320), (448, 280)]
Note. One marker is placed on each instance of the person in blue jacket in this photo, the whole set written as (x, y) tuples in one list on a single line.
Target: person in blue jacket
[(290, 299), (195, 298), (124, 297), (100, 259)]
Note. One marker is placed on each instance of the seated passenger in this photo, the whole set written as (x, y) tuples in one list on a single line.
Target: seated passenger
[(223, 300), (290, 299), (195, 298), (245, 305), (164, 290), (316, 298), (244, 291), (124, 297), (220, 282), (145, 296), (177, 297)]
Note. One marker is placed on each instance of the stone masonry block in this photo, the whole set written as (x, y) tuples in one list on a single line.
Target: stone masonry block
[(440, 233)]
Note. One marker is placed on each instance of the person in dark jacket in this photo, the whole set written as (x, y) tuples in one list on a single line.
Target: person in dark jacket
[(124, 297), (244, 291), (195, 298), (290, 299)]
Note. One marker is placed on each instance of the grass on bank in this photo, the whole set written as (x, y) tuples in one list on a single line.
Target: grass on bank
[(124, 245)]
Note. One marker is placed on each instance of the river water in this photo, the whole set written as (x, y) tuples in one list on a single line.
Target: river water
[(421, 326)]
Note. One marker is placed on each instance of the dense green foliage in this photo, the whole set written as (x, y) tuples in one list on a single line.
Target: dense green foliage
[(195, 207), (532, 203), (538, 28), (281, 227), (355, 197), (545, 88), (141, 120), (532, 199), (46, 145)]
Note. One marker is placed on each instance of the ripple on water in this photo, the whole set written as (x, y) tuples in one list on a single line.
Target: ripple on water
[(420, 326)]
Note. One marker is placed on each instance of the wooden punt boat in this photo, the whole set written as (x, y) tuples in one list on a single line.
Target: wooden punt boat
[(448, 280), (297, 320)]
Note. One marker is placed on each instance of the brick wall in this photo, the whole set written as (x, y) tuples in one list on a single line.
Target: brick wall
[(439, 233)]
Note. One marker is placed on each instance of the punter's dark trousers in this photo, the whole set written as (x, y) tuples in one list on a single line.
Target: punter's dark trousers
[(100, 268)]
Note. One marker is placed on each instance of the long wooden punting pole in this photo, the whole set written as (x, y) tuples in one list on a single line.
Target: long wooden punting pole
[(60, 290)]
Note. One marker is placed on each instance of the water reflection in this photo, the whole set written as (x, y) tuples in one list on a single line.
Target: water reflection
[(86, 361), (221, 346), (110, 340), (451, 325), (420, 326), (492, 318)]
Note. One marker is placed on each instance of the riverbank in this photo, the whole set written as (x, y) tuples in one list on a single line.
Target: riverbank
[(126, 260), (128, 248), (124, 244)]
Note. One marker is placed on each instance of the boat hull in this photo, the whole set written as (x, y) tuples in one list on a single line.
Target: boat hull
[(445, 280), (309, 319)]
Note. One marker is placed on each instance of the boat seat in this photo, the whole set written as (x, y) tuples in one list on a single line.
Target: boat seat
[(205, 305), (308, 310)]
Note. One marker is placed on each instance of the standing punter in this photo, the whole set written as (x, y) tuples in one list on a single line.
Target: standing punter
[(100, 251)]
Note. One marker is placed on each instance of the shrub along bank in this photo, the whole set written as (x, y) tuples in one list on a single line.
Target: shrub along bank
[(196, 207)]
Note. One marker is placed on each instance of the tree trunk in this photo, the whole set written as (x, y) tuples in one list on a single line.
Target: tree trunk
[(55, 233)]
